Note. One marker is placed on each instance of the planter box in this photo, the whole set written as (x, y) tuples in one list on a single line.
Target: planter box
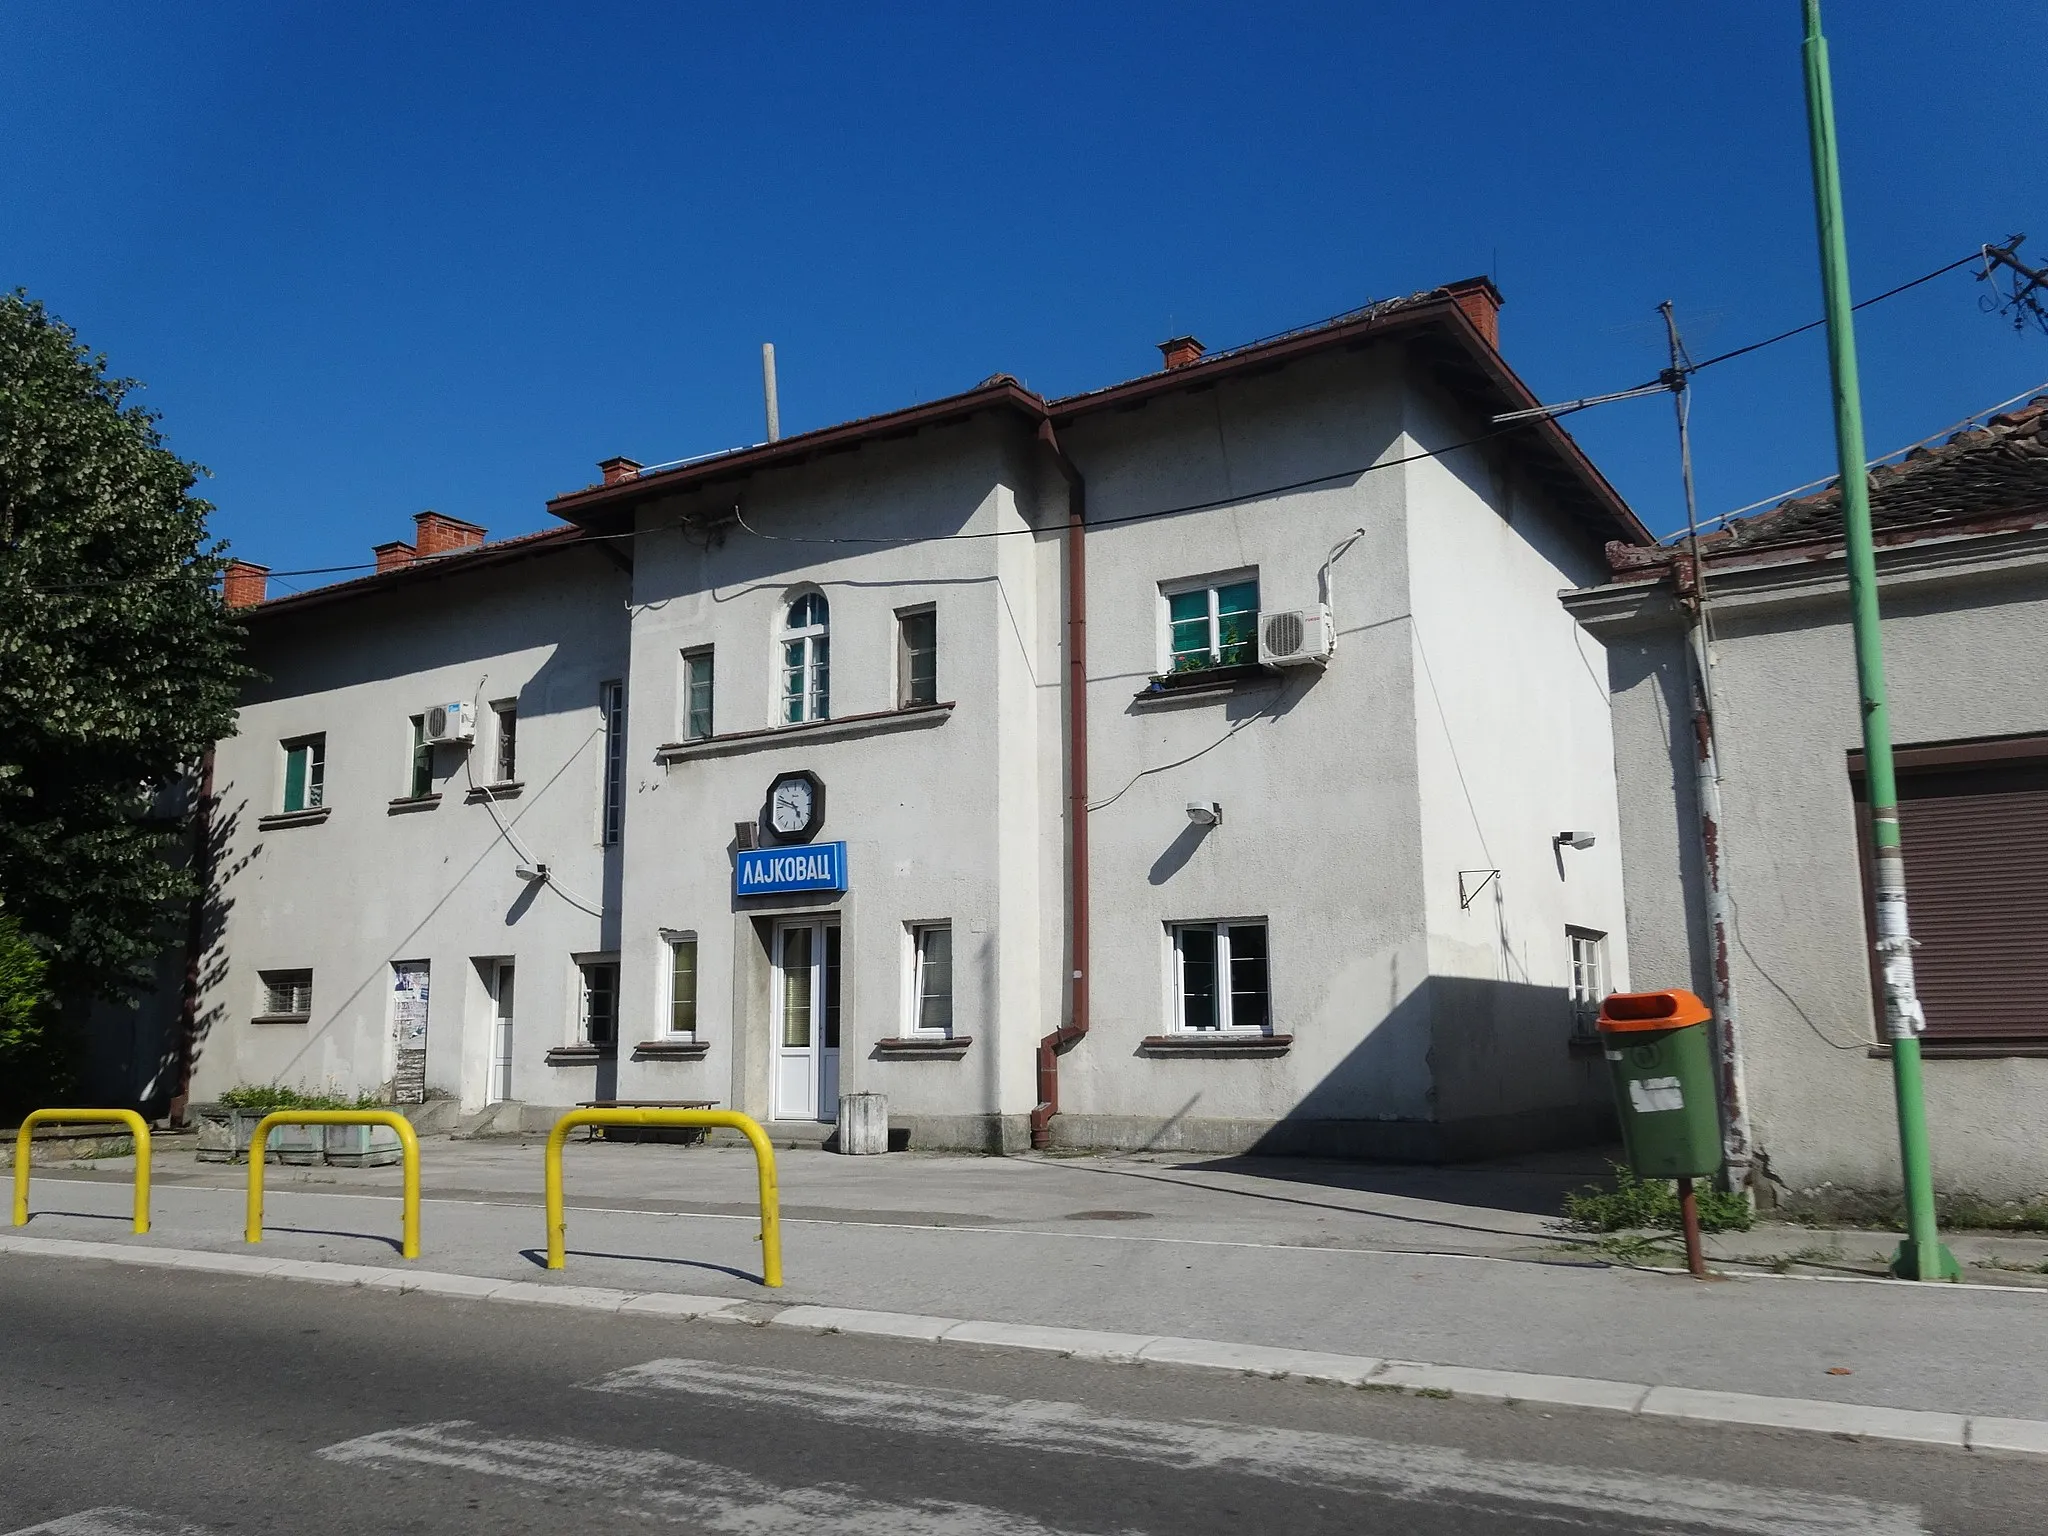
[(361, 1146), (298, 1145), (216, 1133), (225, 1134)]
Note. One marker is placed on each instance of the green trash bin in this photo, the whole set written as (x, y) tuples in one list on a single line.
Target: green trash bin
[(1660, 1052)]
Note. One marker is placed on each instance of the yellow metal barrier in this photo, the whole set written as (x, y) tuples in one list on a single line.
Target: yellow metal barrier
[(136, 1128), (764, 1160), (406, 1140)]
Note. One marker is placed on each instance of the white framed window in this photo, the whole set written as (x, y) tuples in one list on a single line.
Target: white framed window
[(597, 1012), (682, 984), (807, 660), (1588, 948), (1213, 622), (505, 741), (931, 980), (611, 704), (287, 994), (419, 768), (917, 656), (698, 677), (305, 773), (1222, 983)]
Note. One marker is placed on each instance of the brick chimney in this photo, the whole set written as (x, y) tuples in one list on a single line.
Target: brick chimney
[(1481, 302), (1180, 351), (242, 584), (618, 469), (437, 534), (391, 556)]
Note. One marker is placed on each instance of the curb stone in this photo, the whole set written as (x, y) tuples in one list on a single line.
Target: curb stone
[(1949, 1431)]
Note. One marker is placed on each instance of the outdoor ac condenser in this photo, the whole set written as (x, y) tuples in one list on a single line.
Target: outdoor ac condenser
[(1295, 637), (450, 723)]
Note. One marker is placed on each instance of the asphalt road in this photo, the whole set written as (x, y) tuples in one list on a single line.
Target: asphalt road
[(140, 1403)]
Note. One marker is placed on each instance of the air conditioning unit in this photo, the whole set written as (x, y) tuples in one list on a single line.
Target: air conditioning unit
[(448, 724), (1295, 637)]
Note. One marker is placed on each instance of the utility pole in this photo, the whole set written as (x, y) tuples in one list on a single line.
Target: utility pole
[(1736, 1150), (1921, 1256), (2026, 297)]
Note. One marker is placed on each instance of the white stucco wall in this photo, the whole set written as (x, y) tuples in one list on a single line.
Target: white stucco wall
[(955, 820), (1515, 745), (370, 886), (1460, 724), (1965, 657)]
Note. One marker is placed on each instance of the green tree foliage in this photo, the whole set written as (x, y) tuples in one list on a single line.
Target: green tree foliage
[(21, 988), (119, 664)]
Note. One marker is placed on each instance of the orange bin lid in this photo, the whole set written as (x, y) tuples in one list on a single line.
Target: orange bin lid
[(1626, 1011)]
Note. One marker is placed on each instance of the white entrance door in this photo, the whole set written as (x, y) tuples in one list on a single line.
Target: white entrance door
[(806, 1005), (501, 1034)]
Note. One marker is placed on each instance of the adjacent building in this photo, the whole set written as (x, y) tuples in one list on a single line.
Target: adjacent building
[(1202, 763), (1962, 560)]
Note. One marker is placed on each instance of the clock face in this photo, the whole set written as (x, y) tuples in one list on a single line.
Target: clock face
[(796, 807), (791, 809)]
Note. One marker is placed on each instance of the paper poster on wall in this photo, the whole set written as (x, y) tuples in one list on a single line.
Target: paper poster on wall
[(409, 987)]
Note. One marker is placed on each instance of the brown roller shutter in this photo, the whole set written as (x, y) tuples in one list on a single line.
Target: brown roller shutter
[(1973, 817)]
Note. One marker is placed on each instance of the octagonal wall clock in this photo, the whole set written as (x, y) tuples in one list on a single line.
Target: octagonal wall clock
[(794, 811)]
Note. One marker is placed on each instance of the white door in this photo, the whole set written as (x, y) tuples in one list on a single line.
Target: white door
[(501, 1035), (806, 1006)]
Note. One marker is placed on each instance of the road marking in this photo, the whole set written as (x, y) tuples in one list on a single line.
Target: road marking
[(709, 1497), (112, 1521), (1295, 1457)]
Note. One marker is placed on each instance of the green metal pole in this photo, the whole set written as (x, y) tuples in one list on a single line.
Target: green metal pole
[(1921, 1256)]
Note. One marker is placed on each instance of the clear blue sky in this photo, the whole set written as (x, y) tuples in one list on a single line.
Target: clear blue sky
[(376, 258)]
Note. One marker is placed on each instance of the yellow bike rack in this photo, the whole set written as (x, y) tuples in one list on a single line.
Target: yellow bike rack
[(136, 1128), (406, 1140), (764, 1160)]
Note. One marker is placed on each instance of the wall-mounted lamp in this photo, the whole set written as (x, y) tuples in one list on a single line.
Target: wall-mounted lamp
[(1205, 815), (1581, 840), (531, 873)]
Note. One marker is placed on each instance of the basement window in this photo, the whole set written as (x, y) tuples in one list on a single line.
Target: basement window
[(287, 994)]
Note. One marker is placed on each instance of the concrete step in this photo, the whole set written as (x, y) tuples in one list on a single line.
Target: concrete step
[(501, 1119), (436, 1117), (782, 1133)]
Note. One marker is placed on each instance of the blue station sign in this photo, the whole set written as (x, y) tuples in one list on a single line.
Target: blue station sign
[(773, 871)]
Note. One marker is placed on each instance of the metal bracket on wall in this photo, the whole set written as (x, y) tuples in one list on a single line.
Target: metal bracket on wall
[(1465, 897)]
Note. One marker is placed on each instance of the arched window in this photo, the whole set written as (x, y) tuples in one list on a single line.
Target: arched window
[(806, 660)]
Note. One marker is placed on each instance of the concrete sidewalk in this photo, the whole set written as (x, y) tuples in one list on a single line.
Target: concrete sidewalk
[(1391, 1262)]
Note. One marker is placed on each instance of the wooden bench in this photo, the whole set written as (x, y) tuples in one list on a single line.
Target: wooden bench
[(688, 1133)]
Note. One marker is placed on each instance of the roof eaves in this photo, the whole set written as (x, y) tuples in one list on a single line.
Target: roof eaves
[(431, 567), (1435, 309), (586, 506)]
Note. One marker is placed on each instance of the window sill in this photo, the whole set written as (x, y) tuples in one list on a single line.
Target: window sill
[(581, 1055), (1972, 1050), (1216, 1044), (846, 728), (281, 1018), (1206, 682), (311, 818), (509, 790), (406, 803), (923, 1047), (671, 1050)]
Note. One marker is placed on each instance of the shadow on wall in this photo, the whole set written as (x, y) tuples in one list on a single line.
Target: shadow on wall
[(132, 1053), (1501, 1076)]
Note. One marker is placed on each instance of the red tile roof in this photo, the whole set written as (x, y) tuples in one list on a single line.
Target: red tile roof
[(1995, 471)]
